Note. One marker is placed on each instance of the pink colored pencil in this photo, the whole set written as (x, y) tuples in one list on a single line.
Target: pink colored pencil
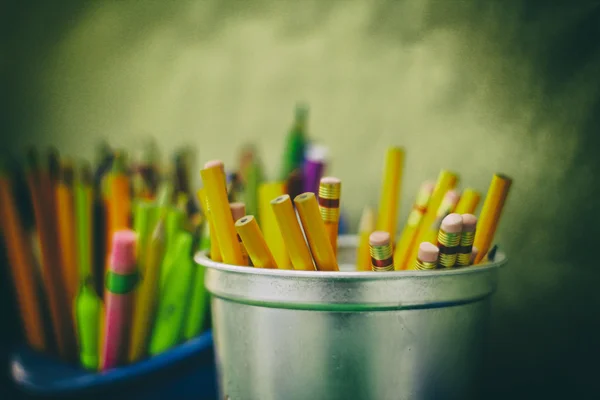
[(120, 284)]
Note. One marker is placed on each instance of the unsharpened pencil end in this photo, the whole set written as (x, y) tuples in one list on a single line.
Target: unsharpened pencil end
[(280, 199)]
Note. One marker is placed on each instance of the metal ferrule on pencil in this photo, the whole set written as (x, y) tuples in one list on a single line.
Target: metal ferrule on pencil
[(381, 258), (465, 249), (329, 201), (423, 265)]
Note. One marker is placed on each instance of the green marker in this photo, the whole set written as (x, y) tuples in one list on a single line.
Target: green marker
[(141, 226), (174, 299), (88, 305), (173, 225), (198, 297), (293, 154)]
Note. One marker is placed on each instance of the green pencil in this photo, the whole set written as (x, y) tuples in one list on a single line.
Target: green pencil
[(87, 305), (293, 154), (173, 225), (174, 299), (141, 226), (198, 298)]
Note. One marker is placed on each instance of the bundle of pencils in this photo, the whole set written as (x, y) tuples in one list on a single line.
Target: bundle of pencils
[(101, 259), (295, 226)]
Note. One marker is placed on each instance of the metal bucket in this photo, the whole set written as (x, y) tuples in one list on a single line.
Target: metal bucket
[(298, 335)]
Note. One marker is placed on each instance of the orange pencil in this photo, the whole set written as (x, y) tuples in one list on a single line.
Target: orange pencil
[(65, 218), (21, 262), (118, 200), (40, 187)]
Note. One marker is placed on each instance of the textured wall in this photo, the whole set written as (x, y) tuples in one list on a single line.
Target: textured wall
[(477, 87)]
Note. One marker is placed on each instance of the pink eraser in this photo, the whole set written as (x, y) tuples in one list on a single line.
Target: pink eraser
[(214, 163), (428, 187), (122, 256), (330, 180), (469, 222), (452, 223), (428, 252), (238, 210), (452, 196), (379, 238)]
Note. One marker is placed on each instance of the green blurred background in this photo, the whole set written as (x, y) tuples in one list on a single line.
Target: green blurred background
[(474, 86)]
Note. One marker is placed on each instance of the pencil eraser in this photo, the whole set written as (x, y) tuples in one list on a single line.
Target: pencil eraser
[(330, 180), (428, 186), (238, 210), (379, 238), (452, 223), (214, 163), (428, 252), (122, 257), (452, 196), (469, 222)]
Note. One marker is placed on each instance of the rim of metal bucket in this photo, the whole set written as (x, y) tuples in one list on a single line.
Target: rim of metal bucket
[(350, 290)]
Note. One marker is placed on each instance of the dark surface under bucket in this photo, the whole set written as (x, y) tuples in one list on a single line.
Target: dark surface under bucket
[(185, 372)]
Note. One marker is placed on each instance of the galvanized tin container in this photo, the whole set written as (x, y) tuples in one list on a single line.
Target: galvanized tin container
[(297, 335)]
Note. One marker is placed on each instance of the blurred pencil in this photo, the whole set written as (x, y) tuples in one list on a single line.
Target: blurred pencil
[(118, 200), (40, 187), (21, 266), (65, 218), (387, 219), (469, 200), (366, 227), (147, 294)]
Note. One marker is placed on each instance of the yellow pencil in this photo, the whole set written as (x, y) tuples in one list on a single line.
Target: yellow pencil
[(147, 294), (330, 189), (390, 191), (412, 225), (255, 243), (446, 207), (268, 222), (469, 200), (291, 233), (315, 231), (366, 227), (215, 250), (65, 217), (216, 193), (490, 214), (238, 210), (446, 180)]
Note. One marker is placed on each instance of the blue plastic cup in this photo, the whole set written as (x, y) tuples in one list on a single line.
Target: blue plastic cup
[(184, 372)]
